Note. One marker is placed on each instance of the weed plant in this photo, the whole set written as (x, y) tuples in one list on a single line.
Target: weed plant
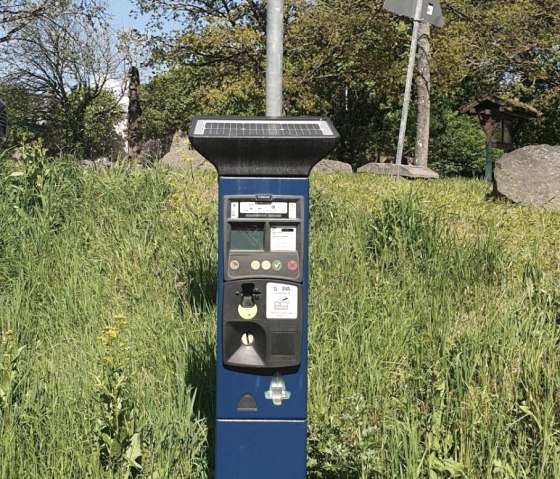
[(433, 327)]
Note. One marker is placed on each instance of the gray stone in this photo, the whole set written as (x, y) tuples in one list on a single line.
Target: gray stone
[(182, 156), (405, 171), (530, 175), (332, 166)]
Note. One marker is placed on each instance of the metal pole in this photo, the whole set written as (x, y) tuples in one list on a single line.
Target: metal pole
[(408, 87), (274, 54)]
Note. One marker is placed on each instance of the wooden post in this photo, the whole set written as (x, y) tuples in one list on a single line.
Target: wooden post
[(134, 116), (489, 125), (423, 91)]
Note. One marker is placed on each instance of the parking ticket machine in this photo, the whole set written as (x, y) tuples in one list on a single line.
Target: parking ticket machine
[(261, 379)]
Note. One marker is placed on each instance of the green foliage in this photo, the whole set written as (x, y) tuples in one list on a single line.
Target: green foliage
[(547, 128), (85, 126), (169, 102), (120, 443), (348, 60), (9, 355), (458, 145), (433, 341), (424, 301), (100, 137), (42, 187), (23, 113)]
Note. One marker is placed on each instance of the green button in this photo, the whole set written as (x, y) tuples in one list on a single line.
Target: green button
[(277, 265)]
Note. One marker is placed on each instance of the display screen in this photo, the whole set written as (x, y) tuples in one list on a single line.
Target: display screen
[(247, 237)]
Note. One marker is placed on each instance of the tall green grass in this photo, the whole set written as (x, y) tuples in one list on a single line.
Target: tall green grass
[(434, 335)]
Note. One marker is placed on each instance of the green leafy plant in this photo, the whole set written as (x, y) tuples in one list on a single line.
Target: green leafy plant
[(9, 355), (119, 440)]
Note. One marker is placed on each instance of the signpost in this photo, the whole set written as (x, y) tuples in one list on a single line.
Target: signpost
[(418, 10)]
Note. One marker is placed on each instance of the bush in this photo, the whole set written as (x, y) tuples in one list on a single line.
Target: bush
[(458, 145)]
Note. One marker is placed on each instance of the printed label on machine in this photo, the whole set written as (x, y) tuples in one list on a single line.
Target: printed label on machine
[(281, 301), (283, 238), (264, 208)]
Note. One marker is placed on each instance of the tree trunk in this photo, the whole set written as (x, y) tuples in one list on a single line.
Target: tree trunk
[(423, 91), (134, 116)]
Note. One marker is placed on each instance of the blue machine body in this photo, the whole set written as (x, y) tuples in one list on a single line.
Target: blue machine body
[(251, 449), (266, 437)]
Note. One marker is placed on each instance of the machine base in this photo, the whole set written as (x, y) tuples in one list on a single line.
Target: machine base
[(267, 449)]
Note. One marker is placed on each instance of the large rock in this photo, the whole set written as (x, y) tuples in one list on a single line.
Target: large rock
[(332, 166), (530, 175), (182, 156), (405, 171)]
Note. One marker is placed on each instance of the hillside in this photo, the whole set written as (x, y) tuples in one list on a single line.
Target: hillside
[(434, 327)]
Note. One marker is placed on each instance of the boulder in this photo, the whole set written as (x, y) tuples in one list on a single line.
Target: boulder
[(405, 171), (332, 166), (530, 175), (182, 156)]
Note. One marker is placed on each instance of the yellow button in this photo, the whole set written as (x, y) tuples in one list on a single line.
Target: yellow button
[(265, 265), (255, 264), (234, 264)]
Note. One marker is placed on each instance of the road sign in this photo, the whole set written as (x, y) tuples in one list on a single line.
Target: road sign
[(431, 10), (418, 10)]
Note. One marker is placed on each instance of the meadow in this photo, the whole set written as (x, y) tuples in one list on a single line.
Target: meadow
[(434, 326)]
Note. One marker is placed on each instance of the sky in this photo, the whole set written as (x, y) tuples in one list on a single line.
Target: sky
[(122, 19)]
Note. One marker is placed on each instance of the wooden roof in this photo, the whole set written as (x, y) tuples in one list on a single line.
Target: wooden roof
[(498, 106)]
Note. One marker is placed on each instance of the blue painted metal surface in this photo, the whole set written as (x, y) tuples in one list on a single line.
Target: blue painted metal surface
[(260, 449), (269, 442)]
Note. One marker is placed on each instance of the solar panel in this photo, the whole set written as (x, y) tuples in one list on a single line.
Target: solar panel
[(286, 146), (264, 128)]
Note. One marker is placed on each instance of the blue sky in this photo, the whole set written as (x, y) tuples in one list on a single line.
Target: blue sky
[(122, 19)]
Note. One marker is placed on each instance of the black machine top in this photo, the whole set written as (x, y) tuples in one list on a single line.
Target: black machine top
[(263, 146)]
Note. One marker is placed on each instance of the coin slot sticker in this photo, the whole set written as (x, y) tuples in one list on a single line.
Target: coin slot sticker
[(281, 301), (283, 238)]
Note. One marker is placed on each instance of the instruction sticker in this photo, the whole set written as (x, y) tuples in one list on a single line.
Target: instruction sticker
[(283, 238), (281, 301)]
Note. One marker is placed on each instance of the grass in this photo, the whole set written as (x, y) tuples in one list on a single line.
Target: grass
[(434, 329)]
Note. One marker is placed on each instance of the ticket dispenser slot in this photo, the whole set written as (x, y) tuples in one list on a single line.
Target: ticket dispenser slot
[(262, 311)]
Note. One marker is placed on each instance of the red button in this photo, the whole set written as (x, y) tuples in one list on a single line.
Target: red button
[(292, 265)]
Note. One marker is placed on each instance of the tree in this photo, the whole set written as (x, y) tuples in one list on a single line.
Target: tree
[(423, 85), (17, 15), (134, 115), (23, 113), (331, 47), (170, 101), (347, 59), (66, 64)]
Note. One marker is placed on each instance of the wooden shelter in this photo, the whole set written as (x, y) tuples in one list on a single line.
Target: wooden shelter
[(500, 119)]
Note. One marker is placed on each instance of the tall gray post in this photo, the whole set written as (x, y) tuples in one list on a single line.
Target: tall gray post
[(408, 87), (274, 56)]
